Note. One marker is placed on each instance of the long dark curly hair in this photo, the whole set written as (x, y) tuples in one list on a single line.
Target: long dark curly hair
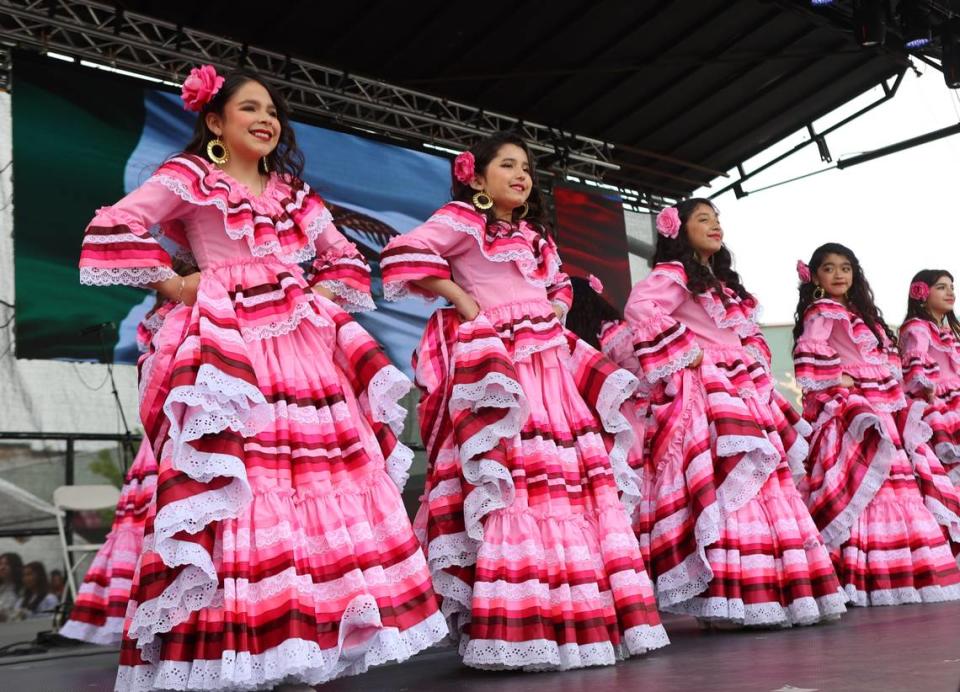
[(286, 159), (588, 312), (15, 564), (32, 597), (915, 308), (860, 298), (484, 152), (700, 278)]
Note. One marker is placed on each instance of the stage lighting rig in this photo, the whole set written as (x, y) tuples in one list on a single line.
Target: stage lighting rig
[(870, 21), (915, 20)]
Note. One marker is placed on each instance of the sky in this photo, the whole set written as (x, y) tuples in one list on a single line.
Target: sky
[(899, 214)]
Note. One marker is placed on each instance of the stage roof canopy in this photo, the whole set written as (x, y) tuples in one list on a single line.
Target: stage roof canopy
[(683, 90)]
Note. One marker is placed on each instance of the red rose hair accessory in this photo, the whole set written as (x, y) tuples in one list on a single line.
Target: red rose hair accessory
[(919, 291), (803, 271), (668, 222), (200, 87), (464, 167)]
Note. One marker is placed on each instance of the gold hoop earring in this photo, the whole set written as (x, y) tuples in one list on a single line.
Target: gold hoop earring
[(818, 293), (524, 210), (266, 164), (482, 200), (218, 157)]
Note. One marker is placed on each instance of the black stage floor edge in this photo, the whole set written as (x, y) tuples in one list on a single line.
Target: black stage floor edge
[(902, 649)]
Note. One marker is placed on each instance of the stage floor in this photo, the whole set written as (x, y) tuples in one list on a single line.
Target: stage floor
[(900, 649)]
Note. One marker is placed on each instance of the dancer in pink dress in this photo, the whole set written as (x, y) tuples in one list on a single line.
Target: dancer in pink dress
[(530, 548), (871, 481), (930, 350), (731, 541), (278, 548), (98, 613), (601, 325)]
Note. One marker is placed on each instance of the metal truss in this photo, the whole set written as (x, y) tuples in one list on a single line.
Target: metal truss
[(103, 34)]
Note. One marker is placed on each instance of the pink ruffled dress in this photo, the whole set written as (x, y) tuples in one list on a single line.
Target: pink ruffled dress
[(730, 538), (529, 545), (879, 496), (97, 615), (931, 361), (616, 343), (278, 548)]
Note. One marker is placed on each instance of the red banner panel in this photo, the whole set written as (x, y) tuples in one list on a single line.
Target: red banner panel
[(592, 236)]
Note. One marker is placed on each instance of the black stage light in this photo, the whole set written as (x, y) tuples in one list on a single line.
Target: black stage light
[(870, 21), (915, 20)]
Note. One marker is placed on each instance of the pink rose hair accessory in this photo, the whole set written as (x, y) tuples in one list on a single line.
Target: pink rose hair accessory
[(595, 283), (919, 291), (803, 271), (668, 222), (464, 167), (199, 88)]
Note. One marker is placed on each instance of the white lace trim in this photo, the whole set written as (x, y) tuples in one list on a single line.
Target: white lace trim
[(523, 353), (837, 532), (916, 432), (293, 660), (901, 596), (675, 365), (153, 322), (215, 402), (694, 573), (126, 276), (616, 390), (742, 484), (621, 339), (809, 384), (272, 247), (546, 654), (286, 325), (758, 356), (920, 381), (525, 260), (948, 452), (384, 393), (867, 342), (108, 634), (742, 326), (351, 299), (802, 611)]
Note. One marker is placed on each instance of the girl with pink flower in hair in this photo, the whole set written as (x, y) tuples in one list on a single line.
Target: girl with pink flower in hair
[(930, 349), (277, 548), (879, 496), (530, 547), (730, 539)]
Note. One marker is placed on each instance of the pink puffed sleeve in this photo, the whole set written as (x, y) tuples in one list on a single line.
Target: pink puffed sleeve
[(341, 269), (560, 293), (815, 361), (118, 247), (662, 344), (920, 371), (422, 253)]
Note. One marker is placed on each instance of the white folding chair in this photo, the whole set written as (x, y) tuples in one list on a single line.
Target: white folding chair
[(79, 498)]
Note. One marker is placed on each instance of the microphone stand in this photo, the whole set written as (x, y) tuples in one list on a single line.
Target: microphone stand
[(107, 356)]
